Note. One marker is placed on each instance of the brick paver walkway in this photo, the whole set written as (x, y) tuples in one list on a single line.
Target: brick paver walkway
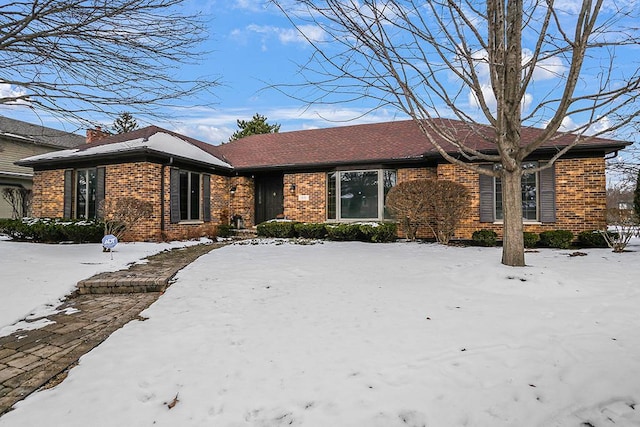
[(31, 359)]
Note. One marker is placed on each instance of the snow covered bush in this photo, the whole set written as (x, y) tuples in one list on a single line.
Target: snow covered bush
[(48, 230), (375, 232)]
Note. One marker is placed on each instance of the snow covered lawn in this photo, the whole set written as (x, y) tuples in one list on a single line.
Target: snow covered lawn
[(34, 276), (353, 334)]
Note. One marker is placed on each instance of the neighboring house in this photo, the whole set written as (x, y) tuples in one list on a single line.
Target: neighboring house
[(323, 175), (20, 139)]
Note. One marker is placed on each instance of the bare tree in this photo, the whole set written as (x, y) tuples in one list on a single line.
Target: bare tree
[(479, 63), (73, 58), (20, 200)]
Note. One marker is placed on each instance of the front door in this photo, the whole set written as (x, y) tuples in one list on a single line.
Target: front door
[(269, 197)]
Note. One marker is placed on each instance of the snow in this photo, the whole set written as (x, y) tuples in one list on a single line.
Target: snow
[(160, 142), (36, 276), (355, 334)]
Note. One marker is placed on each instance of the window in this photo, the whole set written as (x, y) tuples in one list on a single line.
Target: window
[(86, 194), (529, 195), (356, 195), (189, 196), (538, 196)]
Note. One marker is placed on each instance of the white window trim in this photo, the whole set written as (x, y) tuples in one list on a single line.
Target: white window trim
[(380, 216)]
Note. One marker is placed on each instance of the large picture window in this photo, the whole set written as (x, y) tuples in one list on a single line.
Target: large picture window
[(359, 195)]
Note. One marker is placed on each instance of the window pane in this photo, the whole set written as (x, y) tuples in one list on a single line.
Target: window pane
[(91, 193), (184, 195), (529, 194), (498, 192), (389, 181), (359, 195), (81, 194), (331, 195), (195, 196)]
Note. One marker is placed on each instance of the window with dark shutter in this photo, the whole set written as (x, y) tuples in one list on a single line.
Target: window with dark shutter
[(174, 189), (206, 198), (100, 190), (487, 198), (68, 194), (548, 195)]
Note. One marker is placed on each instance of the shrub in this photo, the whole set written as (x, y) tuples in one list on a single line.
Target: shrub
[(594, 239), (560, 239), (49, 230), (122, 214), (278, 229), (378, 232), (342, 232), (310, 230), (438, 205), (484, 238), (530, 239), (223, 230)]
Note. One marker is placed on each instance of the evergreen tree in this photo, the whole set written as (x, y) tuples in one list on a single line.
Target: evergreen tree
[(257, 125), (124, 123)]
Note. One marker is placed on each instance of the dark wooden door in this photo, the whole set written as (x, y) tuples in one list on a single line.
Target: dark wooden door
[(269, 197)]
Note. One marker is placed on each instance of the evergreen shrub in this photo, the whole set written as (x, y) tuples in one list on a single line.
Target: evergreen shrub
[(310, 230), (277, 229), (530, 239), (484, 237), (48, 230), (594, 239), (560, 239)]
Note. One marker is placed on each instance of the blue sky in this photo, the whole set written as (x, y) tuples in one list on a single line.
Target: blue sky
[(251, 46)]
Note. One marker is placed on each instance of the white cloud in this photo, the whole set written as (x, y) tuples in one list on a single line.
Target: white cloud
[(598, 127), (283, 35), (8, 91)]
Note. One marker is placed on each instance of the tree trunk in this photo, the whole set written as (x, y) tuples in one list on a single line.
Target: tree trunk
[(513, 239)]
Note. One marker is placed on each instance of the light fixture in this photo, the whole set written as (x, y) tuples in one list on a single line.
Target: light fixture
[(292, 188), (233, 190)]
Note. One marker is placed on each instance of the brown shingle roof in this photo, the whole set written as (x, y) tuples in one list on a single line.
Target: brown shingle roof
[(379, 142)]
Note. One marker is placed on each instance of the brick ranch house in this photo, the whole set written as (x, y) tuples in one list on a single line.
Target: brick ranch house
[(324, 175)]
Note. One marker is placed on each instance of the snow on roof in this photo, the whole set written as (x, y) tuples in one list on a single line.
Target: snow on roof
[(159, 142)]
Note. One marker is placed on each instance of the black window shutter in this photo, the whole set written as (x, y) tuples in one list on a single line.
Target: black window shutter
[(174, 188), (487, 198), (547, 192), (100, 190), (206, 197), (68, 194)]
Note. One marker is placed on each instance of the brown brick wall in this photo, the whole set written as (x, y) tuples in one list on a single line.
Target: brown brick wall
[(48, 194), (309, 200), (242, 201), (580, 197)]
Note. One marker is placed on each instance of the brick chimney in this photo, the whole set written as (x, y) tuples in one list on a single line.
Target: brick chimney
[(96, 134)]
